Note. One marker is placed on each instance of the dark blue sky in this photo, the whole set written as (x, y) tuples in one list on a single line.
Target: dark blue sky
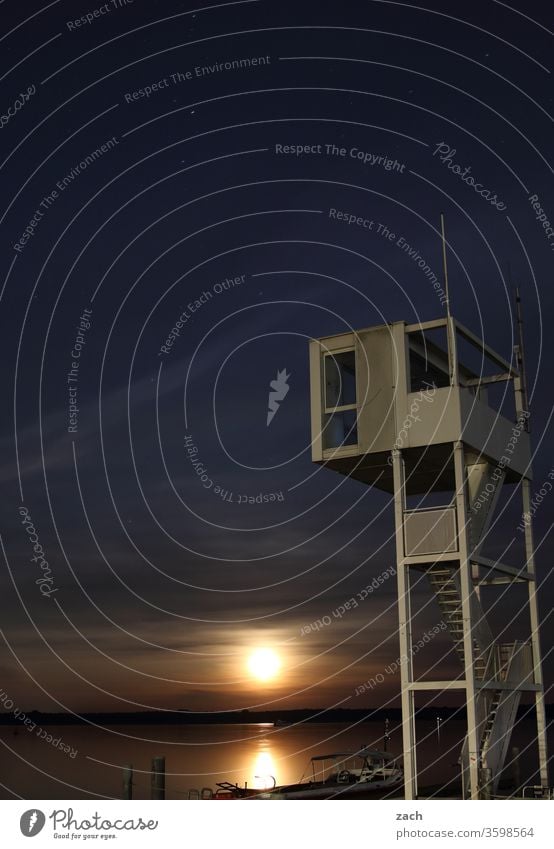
[(164, 583)]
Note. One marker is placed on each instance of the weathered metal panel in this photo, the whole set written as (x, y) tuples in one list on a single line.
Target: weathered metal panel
[(430, 531), (316, 400), (494, 436), (376, 395)]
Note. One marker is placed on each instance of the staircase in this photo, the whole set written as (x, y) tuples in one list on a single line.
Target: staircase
[(431, 530), (484, 483), (445, 582), (496, 710), (514, 666)]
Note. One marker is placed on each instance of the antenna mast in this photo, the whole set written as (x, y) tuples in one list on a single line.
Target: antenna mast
[(445, 267), (520, 357), (450, 328)]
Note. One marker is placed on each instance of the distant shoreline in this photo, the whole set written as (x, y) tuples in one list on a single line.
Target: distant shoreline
[(234, 717)]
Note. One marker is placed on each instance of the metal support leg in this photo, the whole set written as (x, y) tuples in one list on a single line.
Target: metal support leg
[(535, 636), (405, 636), (466, 586)]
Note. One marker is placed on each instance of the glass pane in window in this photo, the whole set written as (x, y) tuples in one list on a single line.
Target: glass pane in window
[(424, 374), (340, 429), (340, 379)]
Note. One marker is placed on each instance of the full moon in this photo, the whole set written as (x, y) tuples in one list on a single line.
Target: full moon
[(264, 664)]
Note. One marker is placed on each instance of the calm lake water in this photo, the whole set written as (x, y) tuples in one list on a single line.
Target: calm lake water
[(200, 755)]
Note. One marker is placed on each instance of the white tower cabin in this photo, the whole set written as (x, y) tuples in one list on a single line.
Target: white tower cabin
[(394, 407)]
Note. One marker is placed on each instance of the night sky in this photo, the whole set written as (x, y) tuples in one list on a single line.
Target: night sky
[(171, 175)]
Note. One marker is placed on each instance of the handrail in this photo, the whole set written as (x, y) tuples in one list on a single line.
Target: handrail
[(535, 787), (429, 509)]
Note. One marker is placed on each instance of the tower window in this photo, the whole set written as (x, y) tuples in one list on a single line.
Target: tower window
[(340, 426), (340, 380)]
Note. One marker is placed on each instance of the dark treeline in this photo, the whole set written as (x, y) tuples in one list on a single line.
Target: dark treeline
[(186, 717)]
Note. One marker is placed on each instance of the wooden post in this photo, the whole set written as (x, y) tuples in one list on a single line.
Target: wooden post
[(128, 781), (157, 778)]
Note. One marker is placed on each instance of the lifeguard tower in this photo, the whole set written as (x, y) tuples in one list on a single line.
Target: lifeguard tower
[(406, 408)]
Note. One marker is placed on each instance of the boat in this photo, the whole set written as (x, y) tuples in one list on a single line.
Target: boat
[(366, 773), (282, 723), (228, 790)]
